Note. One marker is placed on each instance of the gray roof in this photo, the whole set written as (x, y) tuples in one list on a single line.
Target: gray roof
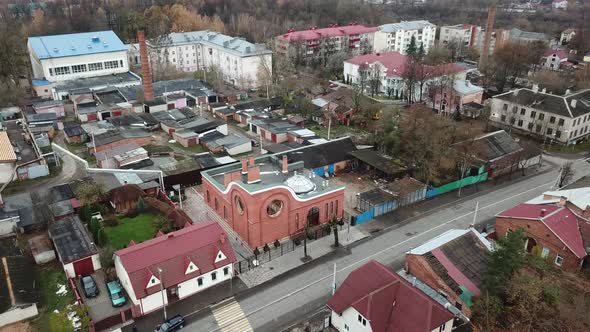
[(320, 155), (235, 45), (191, 86), (275, 126), (48, 103), (517, 34), (71, 240), (558, 105), (490, 146), (41, 117), (117, 150), (405, 25), (121, 79)]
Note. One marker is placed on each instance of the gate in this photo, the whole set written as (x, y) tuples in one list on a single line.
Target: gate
[(364, 217)]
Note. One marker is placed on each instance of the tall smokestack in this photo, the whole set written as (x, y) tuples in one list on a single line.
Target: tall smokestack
[(485, 52), (148, 89)]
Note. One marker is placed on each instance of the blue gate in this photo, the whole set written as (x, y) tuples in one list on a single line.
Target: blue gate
[(364, 217), (331, 169), (319, 171)]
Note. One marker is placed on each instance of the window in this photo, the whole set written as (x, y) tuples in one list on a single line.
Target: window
[(78, 69), (541, 116), (576, 133), (121, 63), (216, 204), (225, 271), (95, 66), (326, 210), (200, 281), (296, 221), (552, 119), (505, 107), (208, 197), (538, 128), (346, 327), (560, 122), (558, 134), (111, 64), (225, 212), (549, 131), (520, 122), (503, 118), (61, 70), (359, 318), (522, 111), (533, 114), (558, 260), (336, 207), (332, 208), (545, 252), (239, 205), (274, 208), (530, 126), (213, 275), (442, 328), (50, 71)]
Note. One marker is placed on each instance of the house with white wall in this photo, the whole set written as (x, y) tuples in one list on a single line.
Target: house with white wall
[(553, 59), (78, 55), (388, 68), (464, 35), (239, 61), (559, 4), (374, 298), (564, 119), (397, 36), (174, 266)]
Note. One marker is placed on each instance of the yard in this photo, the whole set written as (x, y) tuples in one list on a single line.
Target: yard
[(337, 131), (193, 149), (138, 229), (54, 294)]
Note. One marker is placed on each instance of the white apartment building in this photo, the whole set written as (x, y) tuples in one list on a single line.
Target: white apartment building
[(174, 266), (464, 34), (239, 61), (79, 55), (397, 36), (564, 119), (497, 38)]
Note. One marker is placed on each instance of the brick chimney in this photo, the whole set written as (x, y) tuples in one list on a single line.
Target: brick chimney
[(244, 166), (586, 212), (562, 201), (285, 165), (227, 178), (251, 161), (254, 174), (148, 89)]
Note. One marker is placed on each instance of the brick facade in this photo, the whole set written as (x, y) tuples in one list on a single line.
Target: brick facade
[(141, 141), (417, 266), (543, 236), (254, 225)]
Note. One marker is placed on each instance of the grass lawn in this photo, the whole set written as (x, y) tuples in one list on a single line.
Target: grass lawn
[(581, 147), (337, 131), (194, 149), (137, 229), (50, 278)]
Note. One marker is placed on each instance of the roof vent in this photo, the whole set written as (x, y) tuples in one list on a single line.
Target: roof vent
[(95, 39), (55, 50), (573, 103), (543, 211)]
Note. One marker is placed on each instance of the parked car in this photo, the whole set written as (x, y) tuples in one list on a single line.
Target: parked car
[(172, 324), (90, 287), (116, 294)]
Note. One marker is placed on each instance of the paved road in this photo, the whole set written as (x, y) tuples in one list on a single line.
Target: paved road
[(289, 298)]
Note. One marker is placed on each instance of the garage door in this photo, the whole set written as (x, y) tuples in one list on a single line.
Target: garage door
[(83, 266)]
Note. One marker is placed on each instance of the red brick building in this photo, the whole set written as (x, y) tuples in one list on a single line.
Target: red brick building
[(266, 199), (453, 263), (555, 228)]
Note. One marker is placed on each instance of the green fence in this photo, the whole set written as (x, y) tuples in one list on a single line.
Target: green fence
[(457, 184)]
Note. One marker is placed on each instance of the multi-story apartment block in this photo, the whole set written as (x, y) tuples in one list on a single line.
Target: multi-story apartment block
[(79, 55), (463, 34), (497, 38), (397, 36), (239, 62), (564, 119), (354, 39)]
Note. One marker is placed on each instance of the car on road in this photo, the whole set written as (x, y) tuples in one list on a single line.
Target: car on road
[(172, 324), (90, 287), (116, 294)]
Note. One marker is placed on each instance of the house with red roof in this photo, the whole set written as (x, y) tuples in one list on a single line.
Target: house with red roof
[(556, 225), (389, 68), (453, 263), (374, 298), (315, 42), (554, 59), (181, 263)]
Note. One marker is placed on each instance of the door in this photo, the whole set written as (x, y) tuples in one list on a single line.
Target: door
[(83, 267)]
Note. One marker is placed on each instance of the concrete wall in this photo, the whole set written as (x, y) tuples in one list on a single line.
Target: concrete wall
[(544, 237), (236, 150), (191, 286), (18, 314), (44, 257)]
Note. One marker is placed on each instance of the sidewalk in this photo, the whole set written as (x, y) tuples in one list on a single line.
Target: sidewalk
[(292, 260)]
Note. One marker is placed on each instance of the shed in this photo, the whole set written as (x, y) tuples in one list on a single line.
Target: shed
[(382, 166), (41, 249)]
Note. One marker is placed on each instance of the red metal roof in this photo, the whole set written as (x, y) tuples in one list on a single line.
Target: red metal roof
[(389, 302), (559, 53), (395, 63), (315, 33), (560, 220), (454, 272), (200, 243)]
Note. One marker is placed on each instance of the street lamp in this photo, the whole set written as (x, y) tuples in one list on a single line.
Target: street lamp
[(162, 292)]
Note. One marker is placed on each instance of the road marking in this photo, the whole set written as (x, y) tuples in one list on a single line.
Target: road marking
[(280, 299), (231, 318)]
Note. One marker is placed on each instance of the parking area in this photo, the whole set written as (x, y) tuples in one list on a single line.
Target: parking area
[(100, 307)]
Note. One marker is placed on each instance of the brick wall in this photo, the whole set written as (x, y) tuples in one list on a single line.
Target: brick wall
[(543, 236), (141, 141), (419, 267)]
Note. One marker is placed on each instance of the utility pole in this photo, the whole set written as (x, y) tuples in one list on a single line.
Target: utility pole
[(93, 142), (334, 280), (475, 213), (329, 126), (162, 292)]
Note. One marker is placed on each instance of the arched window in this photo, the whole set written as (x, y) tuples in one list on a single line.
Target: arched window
[(239, 205), (274, 208), (296, 221), (216, 204)]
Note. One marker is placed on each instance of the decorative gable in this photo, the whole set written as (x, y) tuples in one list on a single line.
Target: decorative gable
[(153, 281), (191, 267), (220, 256)]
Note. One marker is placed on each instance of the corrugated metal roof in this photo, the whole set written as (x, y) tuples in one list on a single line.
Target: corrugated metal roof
[(410, 25), (6, 150), (231, 44), (76, 44)]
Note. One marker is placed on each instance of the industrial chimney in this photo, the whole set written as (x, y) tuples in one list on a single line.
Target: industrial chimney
[(148, 89), (483, 58)]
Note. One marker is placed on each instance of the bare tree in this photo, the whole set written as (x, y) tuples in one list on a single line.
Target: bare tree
[(566, 174)]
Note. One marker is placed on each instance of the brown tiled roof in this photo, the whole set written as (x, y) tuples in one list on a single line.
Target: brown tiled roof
[(6, 151)]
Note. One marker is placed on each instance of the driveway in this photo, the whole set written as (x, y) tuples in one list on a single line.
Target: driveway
[(100, 307)]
